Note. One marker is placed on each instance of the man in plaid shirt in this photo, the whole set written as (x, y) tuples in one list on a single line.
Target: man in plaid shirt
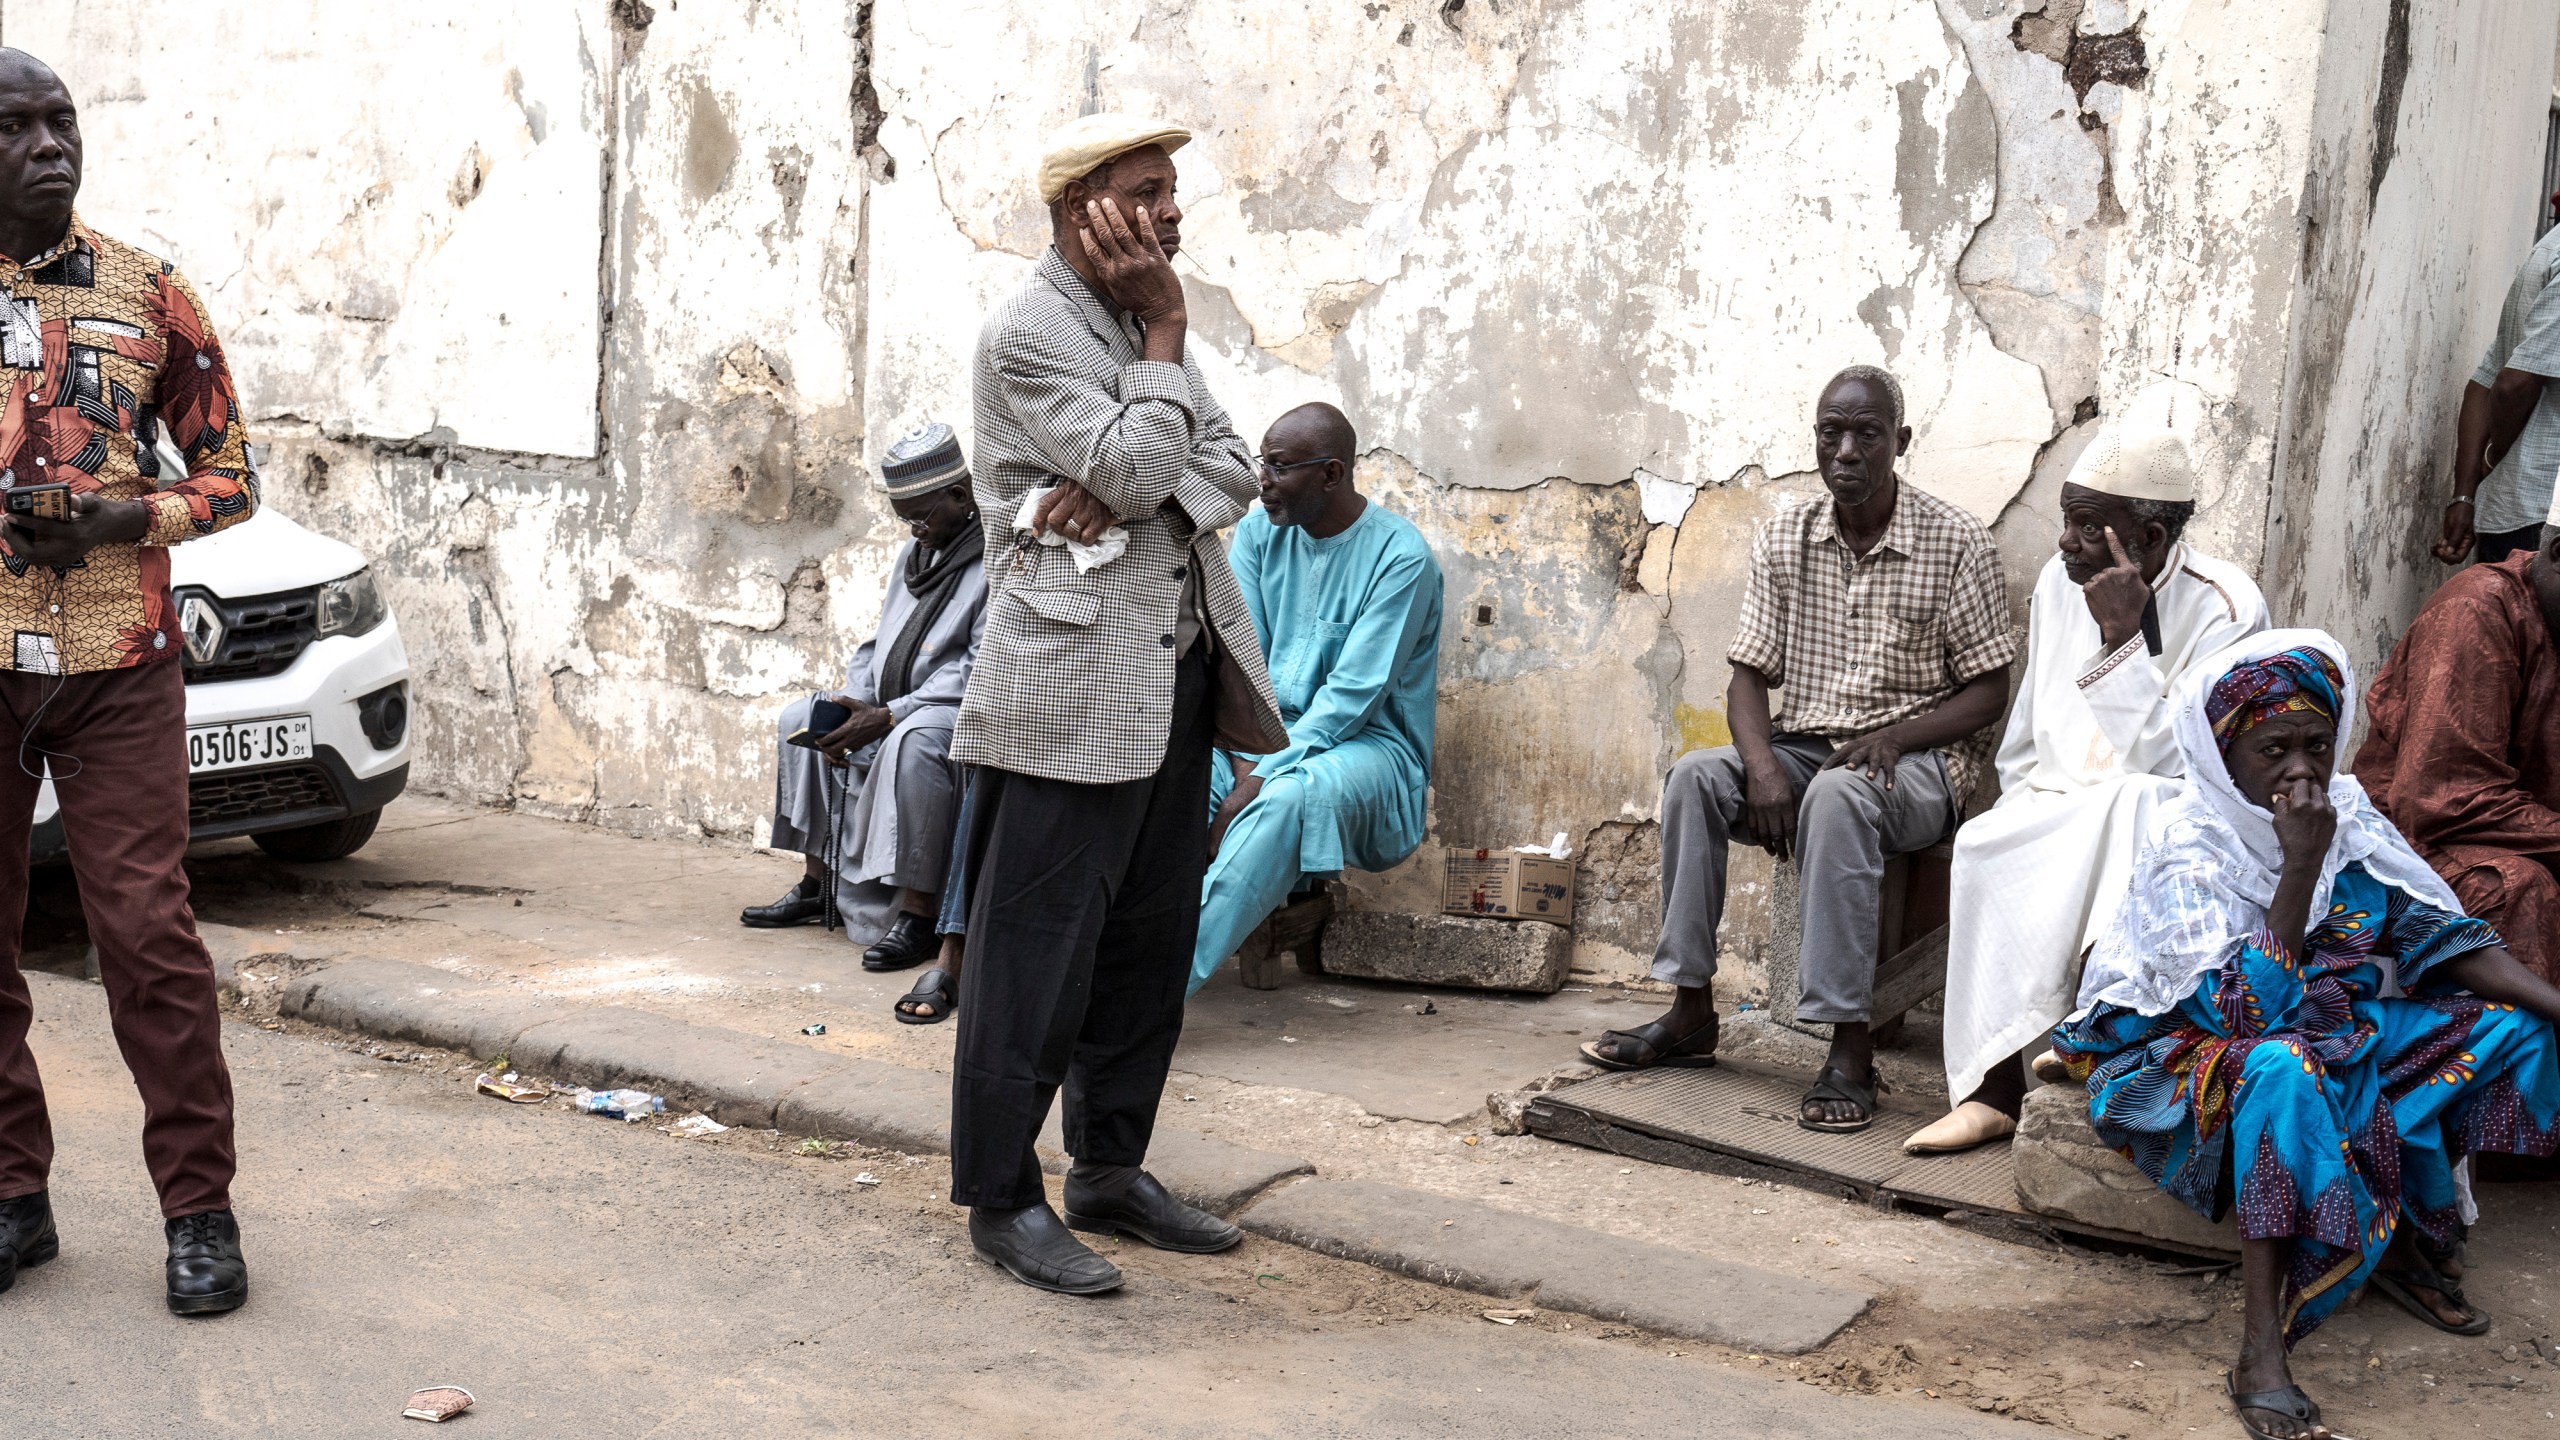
[(1878, 612)]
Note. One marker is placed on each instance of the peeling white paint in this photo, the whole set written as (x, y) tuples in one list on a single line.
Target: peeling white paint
[(1666, 502), (1575, 270)]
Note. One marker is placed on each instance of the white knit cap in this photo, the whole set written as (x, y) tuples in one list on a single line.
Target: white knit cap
[(2139, 456), (1088, 142)]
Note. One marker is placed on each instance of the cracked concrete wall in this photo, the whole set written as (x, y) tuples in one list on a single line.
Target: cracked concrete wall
[(586, 339), (2422, 194), (556, 312), (1576, 272)]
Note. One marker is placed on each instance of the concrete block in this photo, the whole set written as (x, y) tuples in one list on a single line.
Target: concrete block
[(890, 1106), (394, 1001), (2067, 1173), (1452, 950), (734, 1078), (1564, 1267)]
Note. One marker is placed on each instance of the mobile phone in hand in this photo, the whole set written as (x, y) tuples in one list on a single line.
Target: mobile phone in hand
[(826, 717), (44, 502)]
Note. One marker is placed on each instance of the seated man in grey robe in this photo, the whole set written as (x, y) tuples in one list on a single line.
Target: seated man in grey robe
[(872, 800)]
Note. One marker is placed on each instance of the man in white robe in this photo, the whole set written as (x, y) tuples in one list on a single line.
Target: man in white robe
[(2118, 614)]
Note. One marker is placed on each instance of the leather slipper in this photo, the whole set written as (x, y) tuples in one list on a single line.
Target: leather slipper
[(1966, 1126)]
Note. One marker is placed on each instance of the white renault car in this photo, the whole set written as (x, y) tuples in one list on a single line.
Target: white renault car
[(297, 692)]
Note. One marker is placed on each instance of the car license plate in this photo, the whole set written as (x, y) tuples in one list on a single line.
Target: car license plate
[(249, 742)]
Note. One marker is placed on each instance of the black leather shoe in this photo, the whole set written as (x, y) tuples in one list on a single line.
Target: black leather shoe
[(802, 905), (27, 1239), (1038, 1251), (910, 942), (1148, 1211), (206, 1274)]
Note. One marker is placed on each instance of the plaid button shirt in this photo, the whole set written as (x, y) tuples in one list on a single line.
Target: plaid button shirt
[(1858, 642)]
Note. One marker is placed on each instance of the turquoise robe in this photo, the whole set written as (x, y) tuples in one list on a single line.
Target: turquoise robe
[(1350, 627)]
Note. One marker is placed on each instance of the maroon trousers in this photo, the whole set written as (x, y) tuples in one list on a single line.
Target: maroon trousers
[(118, 743)]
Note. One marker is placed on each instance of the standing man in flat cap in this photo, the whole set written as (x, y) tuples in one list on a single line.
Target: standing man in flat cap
[(103, 351), (2119, 614), (876, 795), (1118, 651)]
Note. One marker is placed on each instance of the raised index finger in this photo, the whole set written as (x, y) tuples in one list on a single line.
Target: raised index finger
[(2115, 547)]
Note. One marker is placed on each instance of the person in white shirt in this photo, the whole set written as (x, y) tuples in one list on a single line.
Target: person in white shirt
[(2117, 616)]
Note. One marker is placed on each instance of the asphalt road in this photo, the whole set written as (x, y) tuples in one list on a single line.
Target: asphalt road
[(588, 1279)]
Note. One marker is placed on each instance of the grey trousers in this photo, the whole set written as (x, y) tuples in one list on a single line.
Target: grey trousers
[(1846, 824), (924, 792)]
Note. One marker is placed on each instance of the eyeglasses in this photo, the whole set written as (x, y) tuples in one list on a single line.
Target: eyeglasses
[(1271, 467)]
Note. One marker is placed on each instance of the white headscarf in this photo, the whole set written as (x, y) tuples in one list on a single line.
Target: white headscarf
[(2201, 887)]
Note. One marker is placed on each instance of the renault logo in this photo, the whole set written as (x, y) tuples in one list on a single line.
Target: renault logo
[(200, 621)]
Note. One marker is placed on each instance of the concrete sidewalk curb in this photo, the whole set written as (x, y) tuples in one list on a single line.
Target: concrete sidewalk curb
[(746, 1080), (1564, 1267), (736, 1079)]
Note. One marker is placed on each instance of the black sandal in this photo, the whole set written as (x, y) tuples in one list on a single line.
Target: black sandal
[(934, 988), (2398, 1284), (1831, 1086), (2289, 1402), (1653, 1045)]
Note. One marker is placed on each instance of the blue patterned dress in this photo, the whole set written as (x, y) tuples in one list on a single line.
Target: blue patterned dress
[(2333, 1111)]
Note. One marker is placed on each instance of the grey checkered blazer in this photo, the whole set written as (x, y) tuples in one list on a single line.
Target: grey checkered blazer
[(1074, 678)]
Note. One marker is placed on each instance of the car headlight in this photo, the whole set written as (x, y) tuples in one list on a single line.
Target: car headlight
[(351, 606)]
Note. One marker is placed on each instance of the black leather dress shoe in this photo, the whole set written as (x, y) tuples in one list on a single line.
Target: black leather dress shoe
[(909, 942), (27, 1239), (1037, 1250), (1147, 1210), (801, 905), (206, 1274)]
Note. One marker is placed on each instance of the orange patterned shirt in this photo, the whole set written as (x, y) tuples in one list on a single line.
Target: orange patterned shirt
[(103, 349)]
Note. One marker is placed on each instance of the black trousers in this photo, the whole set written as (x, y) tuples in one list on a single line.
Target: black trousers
[(2497, 547), (1084, 906)]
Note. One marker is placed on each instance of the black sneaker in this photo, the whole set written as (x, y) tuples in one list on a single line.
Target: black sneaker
[(206, 1274), (27, 1238)]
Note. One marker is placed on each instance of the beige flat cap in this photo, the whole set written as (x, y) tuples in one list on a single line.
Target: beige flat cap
[(1088, 141), (2139, 459)]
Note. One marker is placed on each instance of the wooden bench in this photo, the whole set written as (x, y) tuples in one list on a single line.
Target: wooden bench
[(1911, 920)]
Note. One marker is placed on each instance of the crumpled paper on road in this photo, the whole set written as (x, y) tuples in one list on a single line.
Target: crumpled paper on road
[(1088, 555)]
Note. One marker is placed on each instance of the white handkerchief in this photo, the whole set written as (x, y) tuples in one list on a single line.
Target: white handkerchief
[(1088, 554)]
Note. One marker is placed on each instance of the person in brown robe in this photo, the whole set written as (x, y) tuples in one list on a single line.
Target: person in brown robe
[(2464, 754)]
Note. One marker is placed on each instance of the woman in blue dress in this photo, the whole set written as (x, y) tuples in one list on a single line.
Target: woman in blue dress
[(2293, 1017)]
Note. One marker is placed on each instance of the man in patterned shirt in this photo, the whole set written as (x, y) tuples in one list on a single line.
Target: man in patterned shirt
[(1878, 611), (112, 385)]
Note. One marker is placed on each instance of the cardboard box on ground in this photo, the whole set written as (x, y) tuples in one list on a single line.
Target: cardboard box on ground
[(1508, 885)]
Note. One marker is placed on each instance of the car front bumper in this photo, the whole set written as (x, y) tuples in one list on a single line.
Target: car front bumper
[(347, 773)]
